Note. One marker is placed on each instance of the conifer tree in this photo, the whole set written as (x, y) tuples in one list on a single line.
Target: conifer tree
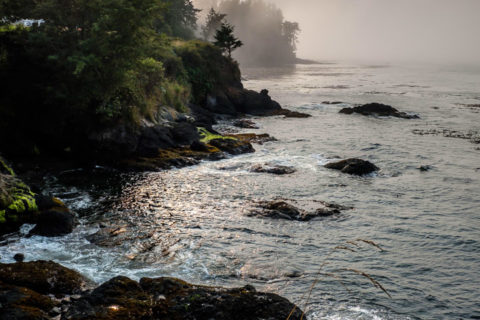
[(225, 39)]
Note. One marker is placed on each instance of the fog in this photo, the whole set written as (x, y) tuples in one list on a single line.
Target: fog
[(439, 31)]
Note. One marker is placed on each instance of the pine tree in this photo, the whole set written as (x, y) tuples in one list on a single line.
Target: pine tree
[(225, 39)]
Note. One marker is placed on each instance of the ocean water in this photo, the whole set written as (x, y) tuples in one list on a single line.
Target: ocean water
[(192, 223)]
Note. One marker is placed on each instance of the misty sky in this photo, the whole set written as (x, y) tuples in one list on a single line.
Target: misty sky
[(387, 30)]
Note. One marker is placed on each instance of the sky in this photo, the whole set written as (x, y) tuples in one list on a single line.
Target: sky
[(437, 31)]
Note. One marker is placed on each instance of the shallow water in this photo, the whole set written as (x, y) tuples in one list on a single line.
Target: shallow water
[(191, 222)]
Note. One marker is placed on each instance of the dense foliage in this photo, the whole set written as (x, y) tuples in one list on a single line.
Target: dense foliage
[(87, 64)]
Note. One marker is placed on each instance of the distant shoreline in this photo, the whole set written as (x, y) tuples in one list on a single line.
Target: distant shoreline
[(308, 61)]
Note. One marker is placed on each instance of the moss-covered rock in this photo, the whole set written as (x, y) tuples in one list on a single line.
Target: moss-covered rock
[(19, 205), (43, 277)]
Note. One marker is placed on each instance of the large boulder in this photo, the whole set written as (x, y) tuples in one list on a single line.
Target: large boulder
[(353, 166), (54, 222), (378, 109)]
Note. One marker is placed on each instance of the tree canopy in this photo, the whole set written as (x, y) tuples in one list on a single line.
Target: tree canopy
[(225, 39), (89, 62)]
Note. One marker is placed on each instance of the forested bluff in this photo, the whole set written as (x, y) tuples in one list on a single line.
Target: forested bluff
[(125, 84)]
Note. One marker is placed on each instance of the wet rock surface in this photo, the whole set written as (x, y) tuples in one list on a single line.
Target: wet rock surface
[(44, 277), (254, 138), (289, 114), (281, 209), (272, 169), (44, 289), (232, 146), (353, 166), (378, 109), (246, 124)]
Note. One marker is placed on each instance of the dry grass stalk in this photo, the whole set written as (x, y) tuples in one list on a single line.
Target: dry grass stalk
[(333, 275)]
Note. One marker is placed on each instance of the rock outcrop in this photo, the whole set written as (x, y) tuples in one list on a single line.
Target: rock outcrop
[(353, 166), (280, 209), (378, 109), (19, 205)]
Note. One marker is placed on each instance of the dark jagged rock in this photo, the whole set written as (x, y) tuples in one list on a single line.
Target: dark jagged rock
[(378, 109), (353, 166), (254, 138), (27, 290), (185, 133), (170, 298), (252, 102), (186, 301), (43, 277), (56, 221), (232, 146), (19, 257), (273, 169), (425, 168), (22, 303), (289, 114), (244, 123), (280, 209), (154, 138)]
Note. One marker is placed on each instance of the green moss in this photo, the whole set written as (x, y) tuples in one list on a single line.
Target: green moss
[(2, 216), (5, 168), (207, 136), (23, 203)]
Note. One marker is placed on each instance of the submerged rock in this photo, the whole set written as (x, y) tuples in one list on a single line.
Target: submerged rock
[(273, 169), (332, 102), (353, 166), (280, 209), (425, 168), (378, 109)]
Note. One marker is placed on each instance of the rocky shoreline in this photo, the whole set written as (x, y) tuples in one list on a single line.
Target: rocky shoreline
[(41, 290), (47, 290)]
